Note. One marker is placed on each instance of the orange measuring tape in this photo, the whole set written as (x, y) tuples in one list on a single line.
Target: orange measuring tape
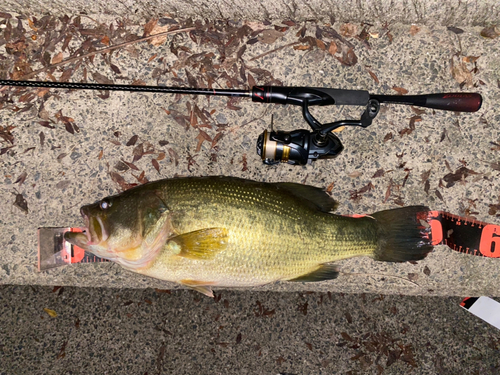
[(464, 235)]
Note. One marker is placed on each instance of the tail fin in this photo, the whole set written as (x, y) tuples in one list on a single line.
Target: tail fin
[(402, 235)]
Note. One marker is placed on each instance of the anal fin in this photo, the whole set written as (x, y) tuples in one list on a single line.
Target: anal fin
[(322, 273), (200, 286)]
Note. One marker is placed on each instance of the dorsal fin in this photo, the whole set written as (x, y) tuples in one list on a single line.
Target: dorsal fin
[(316, 196)]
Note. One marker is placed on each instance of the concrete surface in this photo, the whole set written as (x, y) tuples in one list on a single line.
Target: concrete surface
[(429, 12), (57, 172), (112, 331)]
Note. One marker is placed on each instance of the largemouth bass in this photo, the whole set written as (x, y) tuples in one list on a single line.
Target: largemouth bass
[(206, 232)]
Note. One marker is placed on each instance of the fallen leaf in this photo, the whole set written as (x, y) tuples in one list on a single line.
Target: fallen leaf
[(21, 203), (346, 336), (156, 165), (388, 192), (173, 156), (427, 271), (414, 29), (302, 47), (57, 58), (460, 72), (400, 90), (52, 313), (348, 29), (373, 75), (138, 152), (332, 48), (455, 30), (102, 79), (388, 137), (62, 352), (121, 181), (159, 40), (21, 178), (413, 276), (133, 140), (460, 174), (490, 32), (348, 57), (149, 27), (320, 44), (269, 36)]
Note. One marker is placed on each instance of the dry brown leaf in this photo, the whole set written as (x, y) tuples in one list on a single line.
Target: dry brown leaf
[(332, 48), (21, 178), (414, 29), (355, 174), (21, 203), (269, 36), (149, 27), (301, 47), (41, 93), (255, 26), (156, 165), (152, 58), (159, 40), (57, 58), (490, 32), (375, 78), (161, 156), (52, 313), (320, 44), (102, 79), (348, 57), (348, 29), (460, 72), (400, 90), (133, 140), (173, 156), (105, 40)]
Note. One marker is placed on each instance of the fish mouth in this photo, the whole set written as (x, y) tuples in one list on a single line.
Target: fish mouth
[(95, 229)]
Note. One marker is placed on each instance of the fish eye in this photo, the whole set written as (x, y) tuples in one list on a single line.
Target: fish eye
[(105, 205)]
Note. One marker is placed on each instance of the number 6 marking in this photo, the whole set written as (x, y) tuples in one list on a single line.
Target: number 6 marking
[(490, 241)]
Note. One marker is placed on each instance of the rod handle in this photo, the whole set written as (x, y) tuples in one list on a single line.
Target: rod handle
[(460, 102)]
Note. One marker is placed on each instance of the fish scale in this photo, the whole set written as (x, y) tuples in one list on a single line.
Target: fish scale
[(272, 235)]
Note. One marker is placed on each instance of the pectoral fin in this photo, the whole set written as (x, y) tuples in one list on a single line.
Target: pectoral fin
[(324, 272), (200, 244), (200, 286)]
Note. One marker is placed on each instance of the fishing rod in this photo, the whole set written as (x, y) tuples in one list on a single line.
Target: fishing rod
[(296, 147)]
